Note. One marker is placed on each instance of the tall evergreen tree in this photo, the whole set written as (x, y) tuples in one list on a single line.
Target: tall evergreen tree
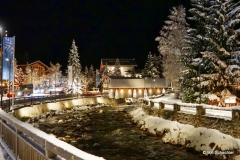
[(152, 67), (106, 70), (172, 43), (192, 58), (86, 73), (91, 71), (214, 43), (74, 61), (223, 38), (91, 77)]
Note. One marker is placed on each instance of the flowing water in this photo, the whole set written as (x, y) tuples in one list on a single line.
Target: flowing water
[(108, 132)]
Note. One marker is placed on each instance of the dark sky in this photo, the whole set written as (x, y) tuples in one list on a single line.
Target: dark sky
[(101, 28)]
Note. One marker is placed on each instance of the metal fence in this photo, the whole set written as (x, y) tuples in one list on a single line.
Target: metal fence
[(33, 100)]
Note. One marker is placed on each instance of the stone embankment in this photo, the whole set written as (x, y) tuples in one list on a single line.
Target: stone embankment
[(37, 110)]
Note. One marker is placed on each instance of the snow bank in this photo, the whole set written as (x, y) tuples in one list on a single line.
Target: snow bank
[(200, 139)]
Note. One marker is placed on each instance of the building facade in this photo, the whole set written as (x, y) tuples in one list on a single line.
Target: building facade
[(40, 66), (135, 87), (126, 66)]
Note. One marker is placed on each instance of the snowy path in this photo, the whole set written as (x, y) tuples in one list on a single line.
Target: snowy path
[(224, 114)]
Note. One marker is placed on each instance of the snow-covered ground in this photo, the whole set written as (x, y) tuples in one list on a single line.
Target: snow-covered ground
[(190, 108), (204, 140), (201, 139)]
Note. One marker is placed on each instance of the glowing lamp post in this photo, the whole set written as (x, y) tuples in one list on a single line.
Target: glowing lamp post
[(9, 94)]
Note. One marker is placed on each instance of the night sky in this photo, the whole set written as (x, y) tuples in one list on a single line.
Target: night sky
[(44, 29)]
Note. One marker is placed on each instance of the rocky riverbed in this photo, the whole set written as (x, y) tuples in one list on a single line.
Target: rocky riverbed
[(108, 132)]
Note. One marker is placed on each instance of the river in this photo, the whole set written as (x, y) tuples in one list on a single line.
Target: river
[(108, 132)]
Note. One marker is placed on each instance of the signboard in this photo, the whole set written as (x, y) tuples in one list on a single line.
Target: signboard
[(8, 58)]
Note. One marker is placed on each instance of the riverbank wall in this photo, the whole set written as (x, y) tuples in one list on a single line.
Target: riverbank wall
[(36, 110)]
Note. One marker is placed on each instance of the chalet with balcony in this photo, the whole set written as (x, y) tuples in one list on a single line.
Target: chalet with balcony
[(40, 66), (127, 66)]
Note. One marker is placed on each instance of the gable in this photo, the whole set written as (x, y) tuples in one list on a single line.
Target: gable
[(39, 63), (123, 62)]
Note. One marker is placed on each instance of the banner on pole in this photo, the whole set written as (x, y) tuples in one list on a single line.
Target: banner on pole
[(8, 58)]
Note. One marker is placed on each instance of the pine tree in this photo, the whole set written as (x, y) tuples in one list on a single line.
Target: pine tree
[(117, 69), (74, 61), (106, 71), (86, 73), (152, 67), (172, 43), (214, 43), (223, 37), (192, 57), (91, 77)]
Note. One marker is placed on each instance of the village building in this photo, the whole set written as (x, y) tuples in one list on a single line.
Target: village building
[(127, 66), (42, 69), (126, 85)]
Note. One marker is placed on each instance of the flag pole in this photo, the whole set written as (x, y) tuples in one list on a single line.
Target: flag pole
[(13, 73), (1, 67)]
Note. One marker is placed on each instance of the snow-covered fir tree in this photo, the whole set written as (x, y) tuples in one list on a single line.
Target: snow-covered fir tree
[(86, 73), (92, 80), (172, 43), (117, 69), (152, 66), (192, 59), (213, 61), (88, 79), (91, 71), (224, 41), (74, 61), (105, 71)]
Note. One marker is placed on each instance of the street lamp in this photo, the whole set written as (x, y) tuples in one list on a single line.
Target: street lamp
[(200, 89), (9, 69), (1, 66)]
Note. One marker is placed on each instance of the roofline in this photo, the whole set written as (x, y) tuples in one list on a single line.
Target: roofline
[(117, 58), (40, 62)]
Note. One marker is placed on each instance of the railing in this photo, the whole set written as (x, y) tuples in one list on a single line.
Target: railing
[(25, 142), (32, 100), (199, 109)]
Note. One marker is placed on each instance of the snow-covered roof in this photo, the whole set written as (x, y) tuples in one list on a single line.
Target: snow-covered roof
[(227, 93), (118, 82), (123, 62), (38, 61)]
